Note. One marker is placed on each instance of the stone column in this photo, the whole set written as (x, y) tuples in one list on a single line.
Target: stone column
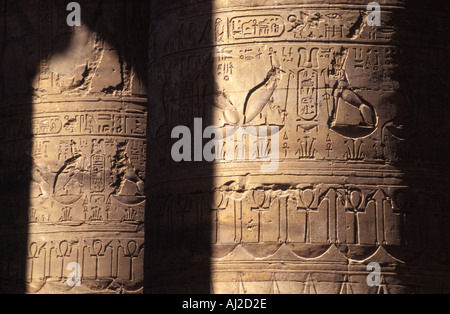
[(357, 114), (73, 122)]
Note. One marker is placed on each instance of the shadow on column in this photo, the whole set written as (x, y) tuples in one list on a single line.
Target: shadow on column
[(178, 222), (418, 139)]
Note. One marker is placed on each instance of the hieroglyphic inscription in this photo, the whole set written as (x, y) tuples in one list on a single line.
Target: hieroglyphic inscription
[(353, 215), (342, 97), (100, 260), (256, 26), (91, 175), (45, 43)]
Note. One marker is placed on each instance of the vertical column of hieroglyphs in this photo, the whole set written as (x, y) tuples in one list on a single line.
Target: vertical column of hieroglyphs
[(353, 129), (88, 152)]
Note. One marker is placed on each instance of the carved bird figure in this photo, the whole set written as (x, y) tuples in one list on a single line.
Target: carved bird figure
[(255, 101)]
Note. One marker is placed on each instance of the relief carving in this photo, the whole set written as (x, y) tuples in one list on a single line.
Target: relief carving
[(357, 119), (342, 96)]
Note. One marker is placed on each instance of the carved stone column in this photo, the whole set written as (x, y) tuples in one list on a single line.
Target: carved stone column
[(73, 122), (362, 119)]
